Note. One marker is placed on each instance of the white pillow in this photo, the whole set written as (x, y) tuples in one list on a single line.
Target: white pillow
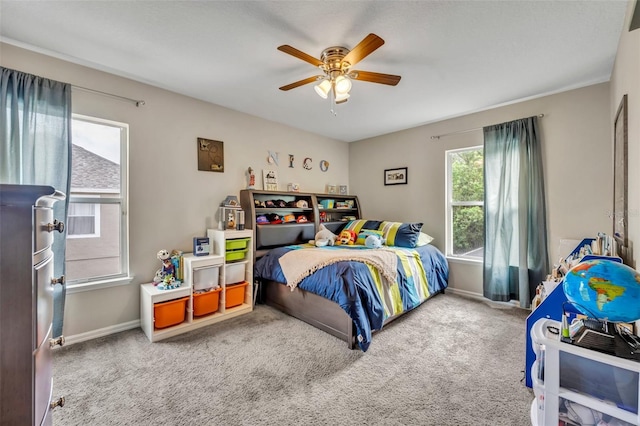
[(424, 239)]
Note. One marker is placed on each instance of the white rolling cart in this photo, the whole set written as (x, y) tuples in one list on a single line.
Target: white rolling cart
[(559, 362)]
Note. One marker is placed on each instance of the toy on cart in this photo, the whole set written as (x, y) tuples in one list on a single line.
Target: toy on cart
[(165, 278)]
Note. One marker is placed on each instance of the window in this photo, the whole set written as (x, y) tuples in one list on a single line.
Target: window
[(83, 220), (97, 225), (465, 203)]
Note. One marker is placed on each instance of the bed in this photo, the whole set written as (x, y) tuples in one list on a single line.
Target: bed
[(350, 291)]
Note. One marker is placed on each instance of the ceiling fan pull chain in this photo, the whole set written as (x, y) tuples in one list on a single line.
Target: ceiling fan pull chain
[(332, 98)]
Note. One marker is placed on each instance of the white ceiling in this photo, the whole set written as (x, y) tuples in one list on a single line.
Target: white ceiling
[(455, 57)]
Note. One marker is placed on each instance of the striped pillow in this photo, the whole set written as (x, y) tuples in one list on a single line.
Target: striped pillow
[(360, 224), (362, 236), (400, 234)]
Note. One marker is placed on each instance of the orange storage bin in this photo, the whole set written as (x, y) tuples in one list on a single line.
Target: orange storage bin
[(169, 313), (206, 303), (235, 295)]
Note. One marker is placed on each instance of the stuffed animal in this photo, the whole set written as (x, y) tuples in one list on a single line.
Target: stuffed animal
[(373, 241), (347, 237), (324, 237), (166, 275)]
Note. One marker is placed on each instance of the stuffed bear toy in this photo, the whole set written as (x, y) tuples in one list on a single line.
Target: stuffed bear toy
[(347, 237), (324, 237)]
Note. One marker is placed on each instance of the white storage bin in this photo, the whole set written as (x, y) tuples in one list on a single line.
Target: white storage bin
[(205, 277), (234, 273)]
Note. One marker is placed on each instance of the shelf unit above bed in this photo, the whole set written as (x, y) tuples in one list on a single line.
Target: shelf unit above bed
[(260, 205)]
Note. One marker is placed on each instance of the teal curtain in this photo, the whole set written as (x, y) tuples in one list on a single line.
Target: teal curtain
[(515, 245), (35, 148)]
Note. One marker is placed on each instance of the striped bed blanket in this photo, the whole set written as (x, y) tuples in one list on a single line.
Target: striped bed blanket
[(385, 265), (365, 290)]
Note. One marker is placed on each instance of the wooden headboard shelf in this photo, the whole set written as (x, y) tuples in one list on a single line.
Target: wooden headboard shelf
[(257, 203)]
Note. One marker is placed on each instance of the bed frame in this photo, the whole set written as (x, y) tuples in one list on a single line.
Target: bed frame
[(322, 313)]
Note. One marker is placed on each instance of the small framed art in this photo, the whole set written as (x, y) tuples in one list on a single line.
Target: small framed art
[(210, 155), (343, 190), (332, 189), (270, 180), (396, 176)]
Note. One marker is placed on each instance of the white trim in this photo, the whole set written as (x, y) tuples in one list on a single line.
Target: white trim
[(467, 260), (101, 332), (478, 296), (97, 285), (471, 294)]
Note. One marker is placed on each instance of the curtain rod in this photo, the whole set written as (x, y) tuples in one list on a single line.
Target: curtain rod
[(465, 131), (137, 102)]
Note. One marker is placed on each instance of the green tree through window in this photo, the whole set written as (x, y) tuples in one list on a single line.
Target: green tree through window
[(466, 204)]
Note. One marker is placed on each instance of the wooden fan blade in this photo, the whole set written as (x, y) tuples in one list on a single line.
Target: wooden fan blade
[(363, 49), (300, 54), (375, 77), (301, 82)]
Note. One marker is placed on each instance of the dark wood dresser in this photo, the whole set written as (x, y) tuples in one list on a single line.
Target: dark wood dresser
[(27, 229)]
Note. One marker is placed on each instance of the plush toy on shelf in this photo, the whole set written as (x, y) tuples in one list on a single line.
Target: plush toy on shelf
[(165, 278), (324, 237), (347, 237)]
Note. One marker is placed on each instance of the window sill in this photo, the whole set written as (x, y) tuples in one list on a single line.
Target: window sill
[(98, 285), (468, 261)]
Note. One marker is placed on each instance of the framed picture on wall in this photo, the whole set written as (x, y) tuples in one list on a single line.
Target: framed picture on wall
[(396, 176), (620, 175), (269, 180), (210, 155)]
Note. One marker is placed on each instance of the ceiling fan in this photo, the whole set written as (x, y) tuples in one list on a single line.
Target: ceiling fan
[(336, 62)]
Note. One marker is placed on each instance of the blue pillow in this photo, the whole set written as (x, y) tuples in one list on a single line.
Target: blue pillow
[(401, 234)]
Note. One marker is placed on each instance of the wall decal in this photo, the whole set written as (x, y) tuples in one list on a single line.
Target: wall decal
[(306, 164), (272, 158), (291, 160), (324, 165)]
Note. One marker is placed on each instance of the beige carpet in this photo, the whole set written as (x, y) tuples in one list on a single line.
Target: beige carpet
[(452, 361)]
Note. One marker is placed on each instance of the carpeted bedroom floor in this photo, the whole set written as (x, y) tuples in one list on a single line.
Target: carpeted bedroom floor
[(452, 361)]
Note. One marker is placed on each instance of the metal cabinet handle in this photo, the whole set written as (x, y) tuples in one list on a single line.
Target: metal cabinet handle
[(56, 226), (58, 341), (57, 403), (55, 281)]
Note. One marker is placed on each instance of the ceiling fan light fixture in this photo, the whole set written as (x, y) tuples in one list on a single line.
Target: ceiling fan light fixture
[(341, 97), (343, 85), (323, 88)]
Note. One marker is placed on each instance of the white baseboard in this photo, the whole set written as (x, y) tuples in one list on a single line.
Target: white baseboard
[(101, 332), (467, 293), (478, 296)]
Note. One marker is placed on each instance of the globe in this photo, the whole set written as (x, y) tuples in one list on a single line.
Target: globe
[(604, 289)]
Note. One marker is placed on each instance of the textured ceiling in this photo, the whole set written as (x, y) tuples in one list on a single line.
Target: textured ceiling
[(454, 57)]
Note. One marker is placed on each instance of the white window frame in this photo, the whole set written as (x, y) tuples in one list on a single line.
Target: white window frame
[(124, 277), (450, 204), (96, 222)]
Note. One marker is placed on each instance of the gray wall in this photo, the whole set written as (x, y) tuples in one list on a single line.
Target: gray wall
[(170, 200), (625, 79), (577, 146), (576, 140)]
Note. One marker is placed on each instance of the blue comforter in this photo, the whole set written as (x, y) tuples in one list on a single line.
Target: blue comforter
[(355, 288)]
